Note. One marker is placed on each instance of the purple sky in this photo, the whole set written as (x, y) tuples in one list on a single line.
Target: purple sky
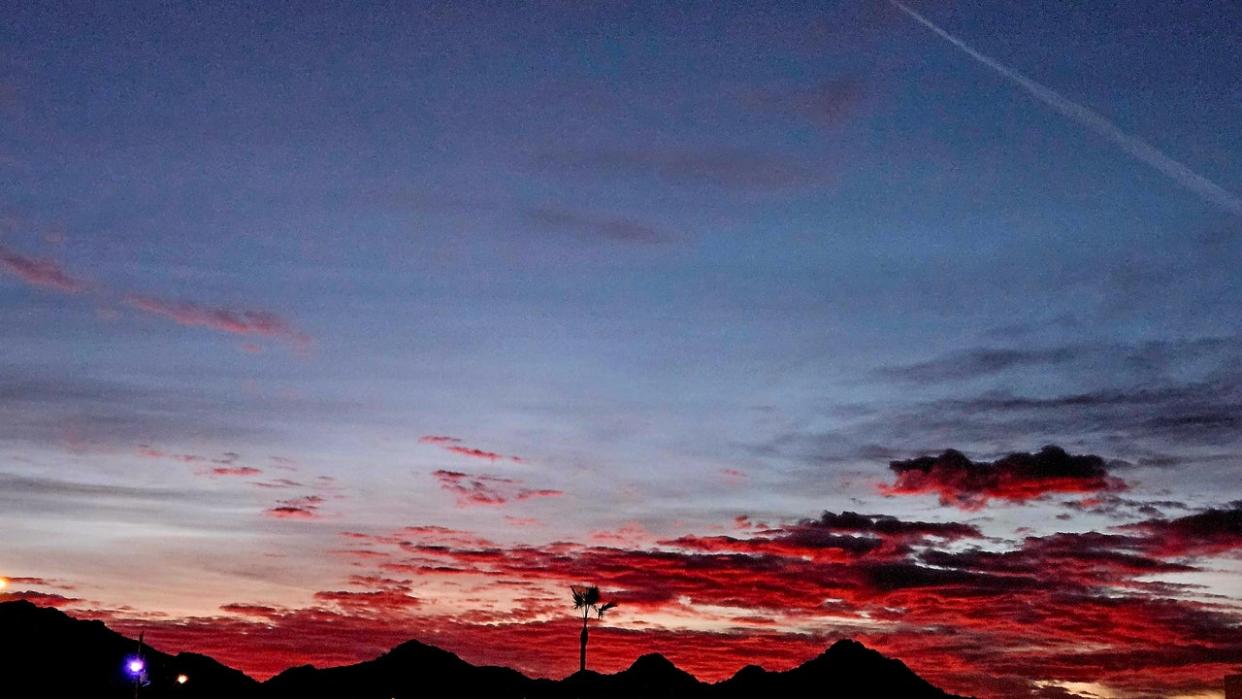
[(611, 275)]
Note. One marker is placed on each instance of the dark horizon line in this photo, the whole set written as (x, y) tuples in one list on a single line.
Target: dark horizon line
[(843, 641)]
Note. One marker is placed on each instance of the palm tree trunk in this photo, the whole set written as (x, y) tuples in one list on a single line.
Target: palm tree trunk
[(582, 651)]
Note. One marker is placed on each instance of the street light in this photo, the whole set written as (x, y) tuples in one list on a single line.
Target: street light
[(137, 668), (183, 678)]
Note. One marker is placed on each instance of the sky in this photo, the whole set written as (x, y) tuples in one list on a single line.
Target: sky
[(342, 324)]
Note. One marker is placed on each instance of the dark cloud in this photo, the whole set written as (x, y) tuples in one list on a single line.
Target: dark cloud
[(886, 525), (1161, 424), (15, 487), (1117, 506), (85, 502), (1214, 531), (973, 364), (1018, 477), (83, 412), (828, 104), (1152, 404), (833, 536), (723, 168), (596, 227)]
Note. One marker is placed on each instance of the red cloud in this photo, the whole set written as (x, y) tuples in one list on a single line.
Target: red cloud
[(372, 601), (1019, 477), (834, 537), (297, 508), (488, 490), (42, 273), (438, 439), (985, 621), (235, 471), (454, 445), (291, 512), (228, 320), (523, 521), (43, 599), (1214, 531)]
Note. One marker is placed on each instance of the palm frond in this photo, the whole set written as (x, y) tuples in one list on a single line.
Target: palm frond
[(592, 596), (605, 607), (580, 596)]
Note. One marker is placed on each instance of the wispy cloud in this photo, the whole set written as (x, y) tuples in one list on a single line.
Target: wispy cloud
[(828, 104), (243, 471), (306, 507), (1136, 147), (455, 445), (977, 363), (724, 168), (596, 227), (42, 273), (480, 489), (222, 319), (48, 274)]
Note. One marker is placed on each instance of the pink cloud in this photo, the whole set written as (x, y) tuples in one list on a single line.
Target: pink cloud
[(438, 439), (41, 273), (488, 490), (296, 508), (243, 471), (454, 445), (523, 521), (227, 320), (49, 274)]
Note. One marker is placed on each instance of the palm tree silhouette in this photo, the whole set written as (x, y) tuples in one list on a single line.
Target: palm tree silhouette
[(588, 600)]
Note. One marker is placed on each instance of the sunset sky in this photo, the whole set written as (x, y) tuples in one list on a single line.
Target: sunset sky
[(337, 325)]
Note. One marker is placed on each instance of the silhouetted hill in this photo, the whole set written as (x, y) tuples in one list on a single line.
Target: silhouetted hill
[(412, 669), (42, 645), (67, 657), (847, 669)]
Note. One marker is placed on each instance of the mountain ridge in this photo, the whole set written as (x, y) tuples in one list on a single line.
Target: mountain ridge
[(43, 641)]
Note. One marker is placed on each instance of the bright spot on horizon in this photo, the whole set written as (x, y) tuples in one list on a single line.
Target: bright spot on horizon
[(182, 679), (4, 582)]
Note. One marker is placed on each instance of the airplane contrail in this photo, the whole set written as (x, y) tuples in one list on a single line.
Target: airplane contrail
[(1136, 147)]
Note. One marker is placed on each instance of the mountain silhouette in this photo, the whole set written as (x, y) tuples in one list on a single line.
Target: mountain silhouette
[(63, 656), (66, 657)]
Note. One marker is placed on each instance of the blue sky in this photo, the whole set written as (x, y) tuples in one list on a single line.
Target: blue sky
[(686, 262)]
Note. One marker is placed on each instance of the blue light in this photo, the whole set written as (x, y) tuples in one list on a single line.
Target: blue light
[(135, 666)]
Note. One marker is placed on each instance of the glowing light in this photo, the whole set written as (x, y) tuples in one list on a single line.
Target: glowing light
[(135, 666), (4, 582), (182, 679)]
